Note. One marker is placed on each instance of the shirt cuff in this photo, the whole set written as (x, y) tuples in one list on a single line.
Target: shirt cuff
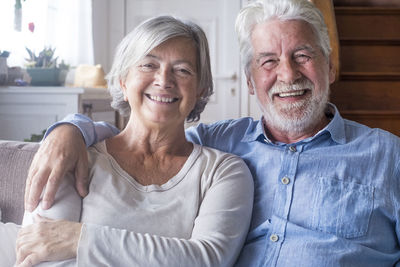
[(91, 131)]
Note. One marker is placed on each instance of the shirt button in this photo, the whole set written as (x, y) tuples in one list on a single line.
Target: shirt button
[(285, 180), (292, 149), (274, 238)]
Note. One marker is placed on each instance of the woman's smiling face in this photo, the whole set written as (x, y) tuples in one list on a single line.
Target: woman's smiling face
[(163, 86)]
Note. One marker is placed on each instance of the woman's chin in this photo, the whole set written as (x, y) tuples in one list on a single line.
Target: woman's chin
[(165, 122)]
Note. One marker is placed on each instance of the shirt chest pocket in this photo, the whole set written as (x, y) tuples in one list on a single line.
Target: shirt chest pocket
[(341, 208)]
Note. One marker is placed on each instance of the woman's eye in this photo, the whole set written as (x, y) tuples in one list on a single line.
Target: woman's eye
[(183, 71), (147, 66)]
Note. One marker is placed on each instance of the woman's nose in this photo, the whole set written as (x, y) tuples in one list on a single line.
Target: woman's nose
[(164, 78)]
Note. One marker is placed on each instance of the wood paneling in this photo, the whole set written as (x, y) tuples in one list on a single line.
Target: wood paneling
[(386, 3), (368, 90), (366, 95), (367, 24), (387, 120), (370, 58)]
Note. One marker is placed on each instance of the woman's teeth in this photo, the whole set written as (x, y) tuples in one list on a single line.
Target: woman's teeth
[(162, 99)]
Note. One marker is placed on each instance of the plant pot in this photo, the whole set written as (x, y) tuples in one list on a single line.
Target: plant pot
[(45, 76)]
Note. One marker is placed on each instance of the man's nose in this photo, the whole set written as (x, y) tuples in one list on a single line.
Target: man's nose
[(164, 78), (287, 72)]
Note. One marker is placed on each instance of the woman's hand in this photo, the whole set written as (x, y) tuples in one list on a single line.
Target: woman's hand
[(63, 150), (47, 240)]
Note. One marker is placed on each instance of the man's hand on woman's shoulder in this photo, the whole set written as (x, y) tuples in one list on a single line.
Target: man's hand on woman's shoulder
[(62, 151)]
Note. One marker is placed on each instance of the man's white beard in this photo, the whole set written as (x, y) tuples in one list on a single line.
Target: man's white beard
[(298, 117)]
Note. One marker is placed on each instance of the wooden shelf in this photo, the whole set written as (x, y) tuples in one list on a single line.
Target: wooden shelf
[(375, 113), (365, 3), (367, 10), (370, 76)]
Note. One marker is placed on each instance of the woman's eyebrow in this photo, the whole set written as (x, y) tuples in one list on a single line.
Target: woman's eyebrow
[(178, 61), (151, 56)]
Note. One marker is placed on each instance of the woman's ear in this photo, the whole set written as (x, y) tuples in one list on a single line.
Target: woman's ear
[(201, 92), (123, 87)]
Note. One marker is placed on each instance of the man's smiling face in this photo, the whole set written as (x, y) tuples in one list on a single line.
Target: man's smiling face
[(289, 75)]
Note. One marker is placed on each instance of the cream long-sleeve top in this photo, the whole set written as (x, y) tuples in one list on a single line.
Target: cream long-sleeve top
[(200, 217)]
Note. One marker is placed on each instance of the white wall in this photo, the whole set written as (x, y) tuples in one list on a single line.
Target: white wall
[(108, 29)]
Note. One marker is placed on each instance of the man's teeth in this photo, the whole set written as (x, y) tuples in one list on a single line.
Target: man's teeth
[(290, 94), (161, 99)]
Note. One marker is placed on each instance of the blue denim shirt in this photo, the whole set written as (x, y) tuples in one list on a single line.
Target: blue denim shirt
[(329, 200)]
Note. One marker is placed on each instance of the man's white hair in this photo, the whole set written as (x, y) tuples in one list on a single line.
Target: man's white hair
[(284, 10)]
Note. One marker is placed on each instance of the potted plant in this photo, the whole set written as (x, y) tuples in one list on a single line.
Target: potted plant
[(43, 68)]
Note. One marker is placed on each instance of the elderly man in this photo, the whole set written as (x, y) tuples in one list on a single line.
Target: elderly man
[(327, 190)]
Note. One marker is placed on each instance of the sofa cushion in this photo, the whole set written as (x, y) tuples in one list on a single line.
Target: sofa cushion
[(15, 159)]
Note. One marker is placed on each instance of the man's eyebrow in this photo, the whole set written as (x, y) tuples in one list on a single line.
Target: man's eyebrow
[(308, 48)]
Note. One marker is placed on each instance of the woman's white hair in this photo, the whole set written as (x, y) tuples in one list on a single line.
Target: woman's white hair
[(284, 10), (144, 38)]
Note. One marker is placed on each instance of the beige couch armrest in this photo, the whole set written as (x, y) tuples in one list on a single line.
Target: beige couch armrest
[(15, 159)]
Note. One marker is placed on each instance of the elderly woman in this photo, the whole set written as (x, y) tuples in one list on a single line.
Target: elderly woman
[(154, 199)]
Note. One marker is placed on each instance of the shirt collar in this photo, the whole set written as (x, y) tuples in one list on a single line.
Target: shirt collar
[(335, 128), (255, 133)]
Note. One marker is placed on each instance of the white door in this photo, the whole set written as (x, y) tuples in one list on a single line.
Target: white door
[(248, 102), (217, 18)]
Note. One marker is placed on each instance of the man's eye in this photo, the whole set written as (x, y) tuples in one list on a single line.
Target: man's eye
[(301, 59), (270, 63)]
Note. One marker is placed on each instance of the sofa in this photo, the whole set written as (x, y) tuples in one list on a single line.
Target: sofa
[(15, 159)]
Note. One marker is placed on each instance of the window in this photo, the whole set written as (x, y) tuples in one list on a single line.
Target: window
[(62, 24)]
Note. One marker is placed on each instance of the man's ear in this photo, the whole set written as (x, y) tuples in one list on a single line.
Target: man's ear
[(250, 85), (332, 70)]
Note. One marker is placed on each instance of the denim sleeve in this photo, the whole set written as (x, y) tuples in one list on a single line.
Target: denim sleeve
[(92, 132), (200, 134), (220, 135)]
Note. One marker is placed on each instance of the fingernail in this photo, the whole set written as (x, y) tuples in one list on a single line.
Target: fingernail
[(45, 205)]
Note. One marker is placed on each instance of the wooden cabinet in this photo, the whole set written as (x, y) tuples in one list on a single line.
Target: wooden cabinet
[(30, 110)]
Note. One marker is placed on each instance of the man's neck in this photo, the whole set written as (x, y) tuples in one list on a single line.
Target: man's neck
[(287, 137)]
